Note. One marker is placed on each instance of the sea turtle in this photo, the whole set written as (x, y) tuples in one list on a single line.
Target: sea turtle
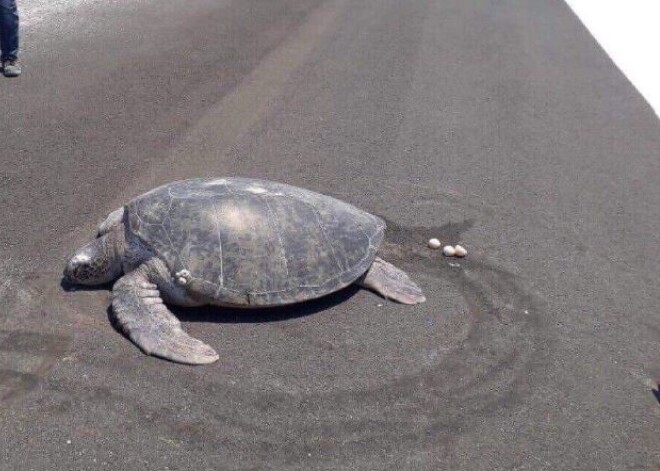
[(234, 242)]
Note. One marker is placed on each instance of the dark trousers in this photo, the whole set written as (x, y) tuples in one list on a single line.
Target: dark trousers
[(8, 30)]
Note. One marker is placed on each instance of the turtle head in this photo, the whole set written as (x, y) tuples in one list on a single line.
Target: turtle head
[(97, 262)]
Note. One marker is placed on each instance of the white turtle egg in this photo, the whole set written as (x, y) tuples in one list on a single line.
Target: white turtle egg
[(448, 251), (460, 251), (434, 243)]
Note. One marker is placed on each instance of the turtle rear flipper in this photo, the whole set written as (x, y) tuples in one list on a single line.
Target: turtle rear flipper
[(140, 313), (391, 283)]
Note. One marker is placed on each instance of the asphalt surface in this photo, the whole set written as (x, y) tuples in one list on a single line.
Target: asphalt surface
[(500, 125)]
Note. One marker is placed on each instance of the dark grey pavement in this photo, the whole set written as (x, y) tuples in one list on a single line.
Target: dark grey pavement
[(501, 125)]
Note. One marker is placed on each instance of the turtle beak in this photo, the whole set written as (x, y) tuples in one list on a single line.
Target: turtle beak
[(94, 264), (77, 269)]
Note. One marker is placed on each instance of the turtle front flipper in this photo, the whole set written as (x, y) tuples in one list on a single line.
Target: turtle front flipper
[(391, 283), (140, 313), (113, 220)]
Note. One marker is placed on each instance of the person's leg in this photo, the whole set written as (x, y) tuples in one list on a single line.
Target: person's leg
[(8, 30)]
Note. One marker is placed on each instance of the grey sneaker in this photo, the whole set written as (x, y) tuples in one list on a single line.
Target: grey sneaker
[(11, 68)]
